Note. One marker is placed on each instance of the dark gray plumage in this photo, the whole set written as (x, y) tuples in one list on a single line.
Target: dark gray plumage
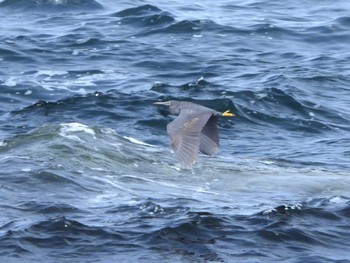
[(194, 130)]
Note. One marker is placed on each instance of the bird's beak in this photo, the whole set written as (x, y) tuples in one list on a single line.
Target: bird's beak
[(228, 114), (166, 103)]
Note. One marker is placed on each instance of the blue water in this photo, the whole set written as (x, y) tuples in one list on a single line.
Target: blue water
[(87, 173)]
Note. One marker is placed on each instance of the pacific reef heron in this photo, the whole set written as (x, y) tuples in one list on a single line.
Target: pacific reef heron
[(193, 131)]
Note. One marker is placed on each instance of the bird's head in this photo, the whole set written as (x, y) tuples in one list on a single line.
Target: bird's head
[(174, 106)]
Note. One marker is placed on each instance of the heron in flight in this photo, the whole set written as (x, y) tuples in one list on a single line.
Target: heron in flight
[(194, 130)]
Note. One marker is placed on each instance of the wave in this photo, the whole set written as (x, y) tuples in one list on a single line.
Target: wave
[(157, 21), (270, 107), (51, 5), (46, 208), (138, 11), (145, 16), (169, 228), (331, 208), (273, 106), (66, 236), (164, 22), (196, 28), (112, 105), (278, 112), (13, 55), (95, 149), (287, 227)]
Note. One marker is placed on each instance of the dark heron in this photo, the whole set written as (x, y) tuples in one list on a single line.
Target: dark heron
[(194, 130)]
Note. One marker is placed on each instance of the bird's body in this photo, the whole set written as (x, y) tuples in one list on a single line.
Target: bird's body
[(194, 130)]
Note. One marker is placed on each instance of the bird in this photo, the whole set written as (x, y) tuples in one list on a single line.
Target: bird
[(194, 130)]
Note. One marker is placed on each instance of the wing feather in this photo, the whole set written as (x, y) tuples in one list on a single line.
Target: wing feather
[(184, 133), (209, 138)]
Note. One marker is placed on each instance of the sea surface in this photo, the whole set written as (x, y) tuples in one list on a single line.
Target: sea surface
[(86, 169)]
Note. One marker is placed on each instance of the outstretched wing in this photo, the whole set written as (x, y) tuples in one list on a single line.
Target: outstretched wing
[(184, 134), (209, 137)]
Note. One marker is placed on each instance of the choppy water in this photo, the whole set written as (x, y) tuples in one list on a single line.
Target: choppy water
[(87, 174)]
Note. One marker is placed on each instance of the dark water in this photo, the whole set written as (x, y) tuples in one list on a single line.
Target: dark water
[(87, 174)]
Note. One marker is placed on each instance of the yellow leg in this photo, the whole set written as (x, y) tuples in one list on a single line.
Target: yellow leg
[(228, 114)]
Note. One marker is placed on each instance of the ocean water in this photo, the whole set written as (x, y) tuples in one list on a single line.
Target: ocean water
[(86, 169)]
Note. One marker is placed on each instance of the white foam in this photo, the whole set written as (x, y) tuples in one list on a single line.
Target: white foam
[(98, 169), (47, 87), (199, 80), (75, 52), (82, 40), (68, 129), (9, 157), (75, 126), (133, 140), (50, 73), (10, 82), (85, 81), (72, 137), (80, 91), (260, 96), (108, 131), (337, 200), (267, 162)]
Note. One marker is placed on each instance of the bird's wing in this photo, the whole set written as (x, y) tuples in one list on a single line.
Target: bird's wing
[(209, 138), (184, 134)]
